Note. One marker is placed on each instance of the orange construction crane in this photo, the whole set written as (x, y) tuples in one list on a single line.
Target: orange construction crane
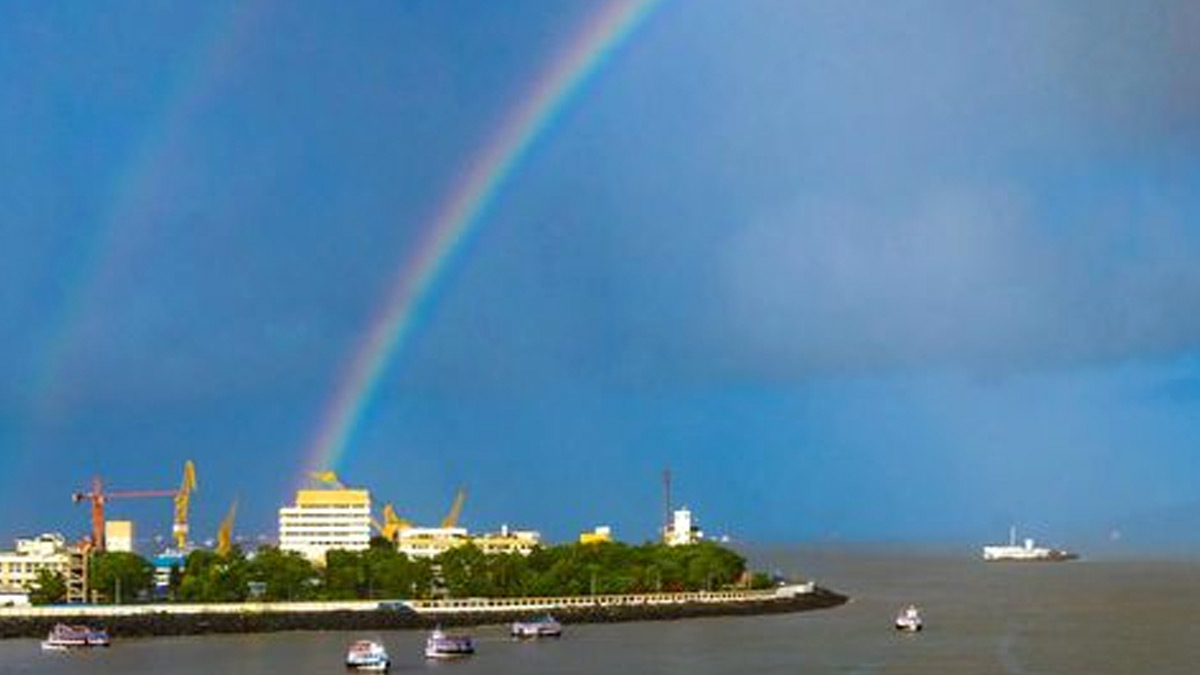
[(98, 497)]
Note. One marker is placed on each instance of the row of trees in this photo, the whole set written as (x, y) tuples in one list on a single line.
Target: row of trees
[(381, 572)]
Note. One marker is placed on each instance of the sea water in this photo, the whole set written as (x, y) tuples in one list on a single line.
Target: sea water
[(1091, 617)]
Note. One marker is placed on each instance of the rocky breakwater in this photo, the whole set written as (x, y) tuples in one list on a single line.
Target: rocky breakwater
[(177, 619)]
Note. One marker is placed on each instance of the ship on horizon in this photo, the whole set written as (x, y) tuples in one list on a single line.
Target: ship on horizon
[(1026, 551)]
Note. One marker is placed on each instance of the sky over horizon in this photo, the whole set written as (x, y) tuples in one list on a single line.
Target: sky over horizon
[(854, 271)]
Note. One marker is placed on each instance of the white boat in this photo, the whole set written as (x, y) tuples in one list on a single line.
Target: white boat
[(1026, 551), (442, 645), (545, 626), (909, 619), (367, 655), (64, 637)]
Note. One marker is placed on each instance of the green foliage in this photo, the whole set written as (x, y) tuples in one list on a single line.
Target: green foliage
[(208, 577), (378, 572), (120, 577), (287, 575), (582, 569), (381, 572), (48, 588)]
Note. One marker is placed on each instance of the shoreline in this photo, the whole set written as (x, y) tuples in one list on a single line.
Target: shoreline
[(167, 620)]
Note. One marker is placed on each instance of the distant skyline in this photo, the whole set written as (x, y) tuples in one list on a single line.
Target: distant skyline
[(909, 271)]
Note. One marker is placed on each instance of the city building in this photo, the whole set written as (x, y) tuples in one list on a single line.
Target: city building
[(508, 541), (682, 530), (118, 536), (601, 534), (19, 568), (164, 563), (429, 542), (324, 520)]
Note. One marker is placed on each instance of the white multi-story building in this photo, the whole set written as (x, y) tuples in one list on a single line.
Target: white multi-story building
[(324, 520), (19, 568), (683, 530)]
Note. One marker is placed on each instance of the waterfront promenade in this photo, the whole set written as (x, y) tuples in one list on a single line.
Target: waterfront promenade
[(182, 619)]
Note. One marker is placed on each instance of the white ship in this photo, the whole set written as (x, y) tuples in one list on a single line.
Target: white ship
[(1026, 551)]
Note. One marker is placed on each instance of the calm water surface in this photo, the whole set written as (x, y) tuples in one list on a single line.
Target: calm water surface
[(1087, 617)]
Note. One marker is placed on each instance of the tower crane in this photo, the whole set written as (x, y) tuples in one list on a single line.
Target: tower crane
[(329, 478), (392, 523), (183, 499), (225, 532), (99, 497), (451, 519)]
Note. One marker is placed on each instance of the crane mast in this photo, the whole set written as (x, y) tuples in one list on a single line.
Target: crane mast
[(99, 497)]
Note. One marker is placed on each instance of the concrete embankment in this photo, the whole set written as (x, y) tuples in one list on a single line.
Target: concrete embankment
[(172, 619)]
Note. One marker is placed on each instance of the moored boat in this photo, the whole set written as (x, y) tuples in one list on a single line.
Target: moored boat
[(909, 619), (63, 637), (442, 645), (367, 655), (544, 626)]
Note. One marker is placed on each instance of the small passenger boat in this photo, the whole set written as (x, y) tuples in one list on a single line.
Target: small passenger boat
[(545, 626), (63, 637), (442, 645), (367, 655), (909, 619)]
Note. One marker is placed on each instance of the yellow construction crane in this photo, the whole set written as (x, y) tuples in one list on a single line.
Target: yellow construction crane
[(183, 499), (451, 519), (225, 532), (327, 477), (392, 524)]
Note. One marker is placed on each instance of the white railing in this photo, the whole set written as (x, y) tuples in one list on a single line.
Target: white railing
[(465, 605)]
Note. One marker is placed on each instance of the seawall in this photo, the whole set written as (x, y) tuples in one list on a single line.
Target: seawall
[(176, 619)]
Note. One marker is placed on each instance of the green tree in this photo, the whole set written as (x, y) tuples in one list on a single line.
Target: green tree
[(345, 576), (120, 577), (391, 574), (287, 574), (48, 587), (465, 572), (208, 577)]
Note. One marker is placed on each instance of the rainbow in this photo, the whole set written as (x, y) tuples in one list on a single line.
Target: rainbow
[(459, 215), (138, 188)]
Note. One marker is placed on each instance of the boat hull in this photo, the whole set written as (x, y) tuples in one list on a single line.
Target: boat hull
[(443, 646), (536, 629), (67, 638)]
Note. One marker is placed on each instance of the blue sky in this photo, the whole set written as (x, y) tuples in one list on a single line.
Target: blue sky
[(853, 270)]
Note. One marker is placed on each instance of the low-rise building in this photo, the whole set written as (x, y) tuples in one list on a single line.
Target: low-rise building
[(601, 534), (19, 568), (429, 542), (508, 541)]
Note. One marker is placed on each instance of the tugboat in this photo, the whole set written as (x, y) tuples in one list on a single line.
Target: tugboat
[(545, 626), (441, 645), (909, 619), (63, 637), (367, 655)]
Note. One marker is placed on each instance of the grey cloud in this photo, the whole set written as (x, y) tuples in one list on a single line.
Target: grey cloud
[(963, 277)]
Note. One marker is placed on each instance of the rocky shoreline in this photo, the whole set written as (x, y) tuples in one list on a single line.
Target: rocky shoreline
[(395, 616)]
